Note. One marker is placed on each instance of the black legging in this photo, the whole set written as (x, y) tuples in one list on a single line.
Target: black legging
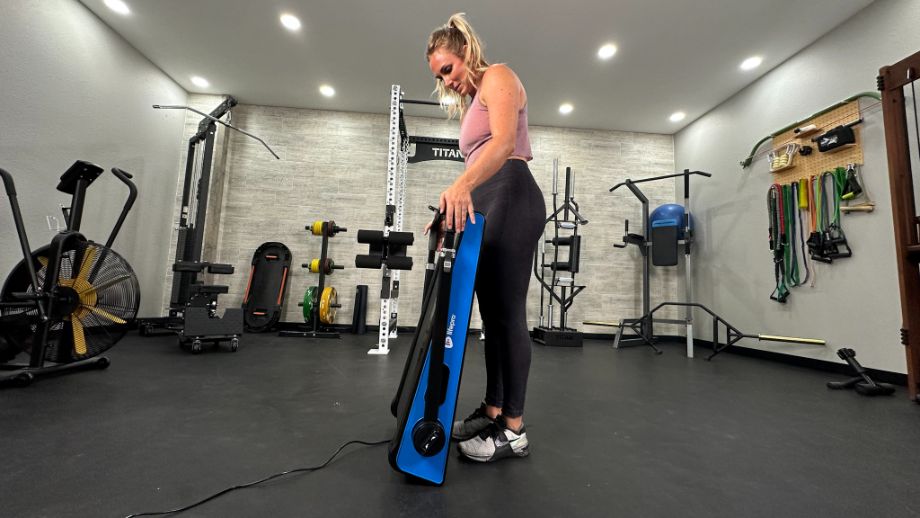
[(515, 212)]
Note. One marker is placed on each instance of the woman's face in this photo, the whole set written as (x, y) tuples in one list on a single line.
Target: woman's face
[(449, 68)]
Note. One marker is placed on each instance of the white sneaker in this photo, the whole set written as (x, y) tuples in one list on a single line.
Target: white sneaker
[(495, 442), (472, 425)]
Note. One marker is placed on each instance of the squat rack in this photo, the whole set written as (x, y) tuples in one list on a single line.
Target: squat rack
[(398, 159)]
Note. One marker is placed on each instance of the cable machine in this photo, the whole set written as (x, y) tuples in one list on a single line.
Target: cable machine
[(193, 304)]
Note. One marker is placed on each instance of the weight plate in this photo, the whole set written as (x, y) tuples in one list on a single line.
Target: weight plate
[(308, 303), (317, 228), (327, 305)]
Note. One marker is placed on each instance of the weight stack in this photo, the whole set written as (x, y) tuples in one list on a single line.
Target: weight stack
[(359, 317)]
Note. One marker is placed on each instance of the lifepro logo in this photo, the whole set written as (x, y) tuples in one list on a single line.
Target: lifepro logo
[(448, 342), (443, 152)]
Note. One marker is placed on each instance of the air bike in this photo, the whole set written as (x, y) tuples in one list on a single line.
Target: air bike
[(69, 301), (427, 395)]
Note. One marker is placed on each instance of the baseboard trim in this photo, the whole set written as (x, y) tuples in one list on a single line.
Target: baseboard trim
[(843, 369), (894, 378)]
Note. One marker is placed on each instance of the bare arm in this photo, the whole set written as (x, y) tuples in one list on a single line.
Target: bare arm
[(501, 92)]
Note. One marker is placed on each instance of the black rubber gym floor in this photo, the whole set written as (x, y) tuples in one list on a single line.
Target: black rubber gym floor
[(612, 433)]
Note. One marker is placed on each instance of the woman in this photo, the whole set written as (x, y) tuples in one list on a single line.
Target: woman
[(498, 183)]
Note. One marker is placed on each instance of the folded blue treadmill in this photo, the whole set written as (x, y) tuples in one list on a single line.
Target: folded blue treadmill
[(426, 399)]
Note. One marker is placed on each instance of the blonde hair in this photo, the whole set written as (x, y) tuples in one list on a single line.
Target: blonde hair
[(453, 36)]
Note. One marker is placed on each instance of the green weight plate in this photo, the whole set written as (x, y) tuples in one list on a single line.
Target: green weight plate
[(308, 297)]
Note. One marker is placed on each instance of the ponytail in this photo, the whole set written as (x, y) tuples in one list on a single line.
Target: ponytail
[(458, 37)]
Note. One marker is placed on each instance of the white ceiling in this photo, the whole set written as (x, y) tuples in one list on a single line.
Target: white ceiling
[(673, 54)]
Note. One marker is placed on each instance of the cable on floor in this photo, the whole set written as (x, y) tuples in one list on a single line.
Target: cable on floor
[(257, 482)]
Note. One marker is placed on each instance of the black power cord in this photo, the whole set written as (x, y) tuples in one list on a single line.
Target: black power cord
[(250, 484)]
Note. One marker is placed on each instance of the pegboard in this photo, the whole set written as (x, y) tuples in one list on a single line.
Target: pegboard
[(817, 162)]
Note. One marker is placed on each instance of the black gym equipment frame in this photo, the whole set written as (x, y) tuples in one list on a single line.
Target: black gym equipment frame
[(643, 326), (191, 233), (193, 305), (546, 332)]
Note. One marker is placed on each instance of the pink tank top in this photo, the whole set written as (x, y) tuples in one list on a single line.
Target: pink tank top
[(475, 132)]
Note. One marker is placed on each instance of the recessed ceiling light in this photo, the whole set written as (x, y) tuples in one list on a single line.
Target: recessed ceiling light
[(607, 51), (327, 90), (751, 63), (200, 82), (565, 108), (118, 6), (677, 116), (290, 22)]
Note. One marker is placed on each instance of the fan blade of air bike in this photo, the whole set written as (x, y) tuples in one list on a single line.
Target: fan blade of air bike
[(105, 314), (76, 325), (79, 338), (105, 284), (89, 255)]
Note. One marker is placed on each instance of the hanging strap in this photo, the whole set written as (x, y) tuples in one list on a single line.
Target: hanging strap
[(771, 217), (813, 217), (775, 213), (811, 203), (817, 240), (835, 236), (827, 219), (840, 184), (790, 259), (821, 205), (801, 189), (797, 236)]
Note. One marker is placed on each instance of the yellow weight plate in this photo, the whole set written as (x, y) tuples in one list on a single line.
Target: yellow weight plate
[(327, 305), (317, 228)]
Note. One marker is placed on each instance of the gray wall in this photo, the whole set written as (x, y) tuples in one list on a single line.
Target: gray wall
[(855, 302), (334, 167), (73, 89)]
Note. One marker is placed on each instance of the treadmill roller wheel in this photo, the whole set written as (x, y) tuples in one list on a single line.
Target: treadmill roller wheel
[(429, 438)]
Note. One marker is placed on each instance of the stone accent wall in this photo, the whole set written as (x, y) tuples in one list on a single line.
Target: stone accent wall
[(333, 166)]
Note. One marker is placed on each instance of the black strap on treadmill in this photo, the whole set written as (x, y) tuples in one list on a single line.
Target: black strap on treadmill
[(434, 235), (434, 394)]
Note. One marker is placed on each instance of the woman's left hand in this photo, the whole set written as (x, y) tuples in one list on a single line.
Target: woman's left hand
[(456, 203)]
